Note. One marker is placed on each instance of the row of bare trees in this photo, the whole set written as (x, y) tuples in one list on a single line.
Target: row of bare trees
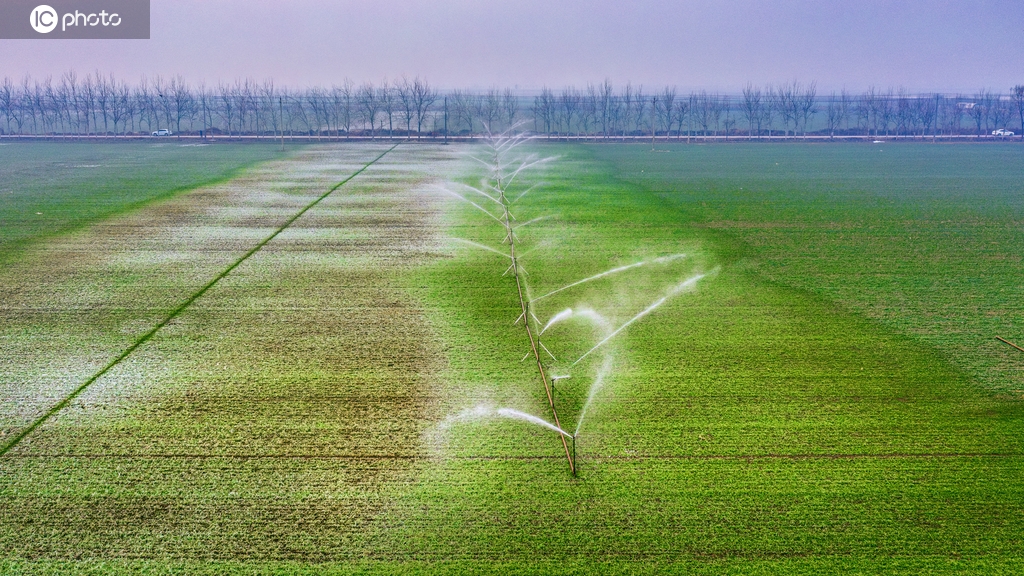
[(103, 105), (782, 110), (95, 104)]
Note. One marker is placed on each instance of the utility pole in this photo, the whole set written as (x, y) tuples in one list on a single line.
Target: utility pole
[(446, 120), (280, 106)]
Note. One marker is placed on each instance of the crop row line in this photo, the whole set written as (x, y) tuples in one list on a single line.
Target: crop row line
[(605, 457), (17, 438)]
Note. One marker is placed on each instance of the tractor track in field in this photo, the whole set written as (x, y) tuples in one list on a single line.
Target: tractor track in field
[(63, 403), (380, 457)]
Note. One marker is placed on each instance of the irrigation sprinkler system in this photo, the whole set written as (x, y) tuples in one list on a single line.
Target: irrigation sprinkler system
[(501, 182), (1005, 341), (504, 170)]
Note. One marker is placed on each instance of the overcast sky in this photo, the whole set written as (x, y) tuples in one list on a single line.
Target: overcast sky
[(923, 45)]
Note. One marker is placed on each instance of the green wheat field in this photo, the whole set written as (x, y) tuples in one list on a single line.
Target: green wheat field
[(802, 377)]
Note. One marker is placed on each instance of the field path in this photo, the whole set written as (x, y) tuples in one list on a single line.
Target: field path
[(264, 419)]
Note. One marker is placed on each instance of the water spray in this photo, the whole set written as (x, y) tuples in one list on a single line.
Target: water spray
[(683, 286), (503, 173), (660, 260)]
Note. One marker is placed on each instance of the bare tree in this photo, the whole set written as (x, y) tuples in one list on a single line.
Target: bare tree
[(487, 107), (729, 122), (259, 111), (67, 100), (925, 111), (320, 105), (835, 112), (62, 100), (271, 104), (936, 129), (182, 102), (887, 110), (140, 102), (808, 104), (45, 101), (226, 110), (978, 112), (702, 112), (87, 103), (589, 108), (33, 102), (789, 100), (403, 90), (640, 115), (865, 109), (424, 97), (127, 99), (770, 109), (719, 106), (22, 106), (7, 101), (388, 104), (682, 116), (570, 104), (544, 106), (628, 107), (1000, 113), (510, 106), (165, 102), (461, 105), (666, 108), (369, 104), (120, 94), (239, 93), (104, 93), (954, 114), (879, 110), (903, 111), (341, 98), (752, 109), (42, 97), (1018, 99), (301, 110), (606, 107), (15, 103), (846, 105)]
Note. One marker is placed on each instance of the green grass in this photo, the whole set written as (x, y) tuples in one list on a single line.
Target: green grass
[(766, 422), (51, 188), (750, 423), (926, 239), (249, 426)]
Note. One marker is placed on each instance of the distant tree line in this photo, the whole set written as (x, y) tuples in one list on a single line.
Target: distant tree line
[(98, 105)]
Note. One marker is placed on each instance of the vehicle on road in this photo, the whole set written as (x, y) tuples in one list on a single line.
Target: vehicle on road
[(1002, 132), (162, 132)]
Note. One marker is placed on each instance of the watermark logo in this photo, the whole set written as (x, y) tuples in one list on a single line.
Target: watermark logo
[(74, 19), (43, 19)]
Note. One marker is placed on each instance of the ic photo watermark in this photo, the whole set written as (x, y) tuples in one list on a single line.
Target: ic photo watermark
[(74, 19)]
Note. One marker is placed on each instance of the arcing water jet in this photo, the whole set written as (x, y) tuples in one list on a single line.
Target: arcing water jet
[(679, 288), (660, 260)]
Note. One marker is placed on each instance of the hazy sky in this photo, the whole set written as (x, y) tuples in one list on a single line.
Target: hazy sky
[(924, 45)]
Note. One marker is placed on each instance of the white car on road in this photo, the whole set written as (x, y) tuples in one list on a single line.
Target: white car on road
[(1002, 132), (162, 132)]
